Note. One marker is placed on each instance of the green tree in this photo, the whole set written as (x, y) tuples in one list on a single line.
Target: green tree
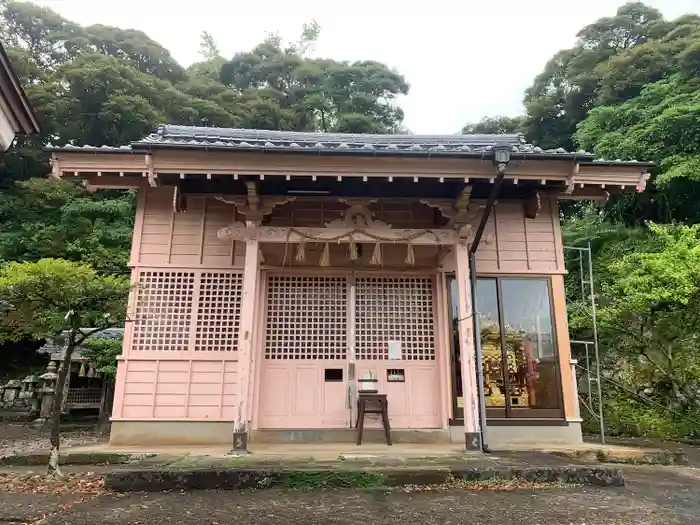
[(102, 354), (41, 218), (497, 125), (287, 90), (54, 298), (573, 80), (646, 289), (661, 124), (136, 48), (48, 39)]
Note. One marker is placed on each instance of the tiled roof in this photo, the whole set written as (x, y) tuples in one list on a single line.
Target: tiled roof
[(478, 145), (58, 344), (342, 143)]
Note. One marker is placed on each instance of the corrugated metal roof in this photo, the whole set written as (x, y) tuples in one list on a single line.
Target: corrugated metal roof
[(478, 145)]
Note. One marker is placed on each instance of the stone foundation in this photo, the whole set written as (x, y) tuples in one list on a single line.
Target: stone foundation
[(349, 435), (523, 435), (218, 433), (171, 433)]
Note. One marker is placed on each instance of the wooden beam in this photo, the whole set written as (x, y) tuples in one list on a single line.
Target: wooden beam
[(272, 234)]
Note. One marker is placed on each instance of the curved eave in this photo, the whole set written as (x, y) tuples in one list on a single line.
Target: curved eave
[(16, 99)]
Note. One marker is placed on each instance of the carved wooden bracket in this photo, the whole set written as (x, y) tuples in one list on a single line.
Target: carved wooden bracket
[(252, 205), (642, 184), (571, 179), (457, 211), (151, 173), (358, 215)]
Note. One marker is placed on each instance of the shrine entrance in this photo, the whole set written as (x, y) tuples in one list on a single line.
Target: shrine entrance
[(324, 331)]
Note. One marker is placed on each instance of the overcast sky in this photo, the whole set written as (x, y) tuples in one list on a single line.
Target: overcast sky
[(464, 59)]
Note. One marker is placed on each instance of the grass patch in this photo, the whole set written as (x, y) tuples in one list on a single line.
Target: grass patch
[(33, 459), (494, 484), (333, 479), (650, 458)]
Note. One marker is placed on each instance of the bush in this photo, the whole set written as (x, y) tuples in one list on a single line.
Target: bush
[(629, 417)]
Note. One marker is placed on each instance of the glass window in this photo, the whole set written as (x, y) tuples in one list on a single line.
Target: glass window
[(526, 311), (490, 330), (517, 338), (533, 378), (520, 366)]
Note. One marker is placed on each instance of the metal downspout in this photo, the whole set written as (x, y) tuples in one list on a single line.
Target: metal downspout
[(479, 357), (475, 315)]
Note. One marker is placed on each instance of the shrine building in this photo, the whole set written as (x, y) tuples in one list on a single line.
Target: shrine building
[(275, 271)]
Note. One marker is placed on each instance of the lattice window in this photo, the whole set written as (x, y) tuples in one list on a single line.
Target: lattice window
[(218, 311), (306, 317), (84, 396), (163, 311), (394, 309)]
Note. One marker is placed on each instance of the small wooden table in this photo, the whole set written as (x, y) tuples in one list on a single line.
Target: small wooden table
[(372, 404)]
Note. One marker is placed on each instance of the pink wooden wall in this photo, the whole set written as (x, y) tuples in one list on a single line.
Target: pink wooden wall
[(163, 238), (514, 244), (176, 365)]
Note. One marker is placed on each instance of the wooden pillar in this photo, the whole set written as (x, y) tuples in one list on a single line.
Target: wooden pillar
[(472, 430), (251, 278)]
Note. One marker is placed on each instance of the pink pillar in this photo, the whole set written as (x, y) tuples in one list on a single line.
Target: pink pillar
[(251, 278), (466, 349)]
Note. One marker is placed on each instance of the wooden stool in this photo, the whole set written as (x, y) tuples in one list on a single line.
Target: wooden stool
[(381, 406)]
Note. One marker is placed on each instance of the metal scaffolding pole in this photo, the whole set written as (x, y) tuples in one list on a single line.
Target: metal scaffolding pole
[(587, 252)]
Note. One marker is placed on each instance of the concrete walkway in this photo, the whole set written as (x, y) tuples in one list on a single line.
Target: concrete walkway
[(323, 451), (381, 454)]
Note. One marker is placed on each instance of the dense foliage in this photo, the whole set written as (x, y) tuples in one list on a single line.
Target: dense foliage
[(629, 89)]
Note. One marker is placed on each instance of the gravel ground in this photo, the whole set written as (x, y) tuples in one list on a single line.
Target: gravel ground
[(654, 495), (25, 437)]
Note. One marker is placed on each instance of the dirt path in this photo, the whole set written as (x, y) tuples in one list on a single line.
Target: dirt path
[(18, 437), (654, 495)]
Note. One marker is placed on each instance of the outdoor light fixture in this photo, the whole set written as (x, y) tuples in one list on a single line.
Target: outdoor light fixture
[(501, 155)]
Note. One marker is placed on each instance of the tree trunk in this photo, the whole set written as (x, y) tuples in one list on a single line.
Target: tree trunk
[(54, 436), (103, 424)]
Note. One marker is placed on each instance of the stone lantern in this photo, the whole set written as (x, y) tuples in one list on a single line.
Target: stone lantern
[(12, 389), (47, 391), (29, 393)]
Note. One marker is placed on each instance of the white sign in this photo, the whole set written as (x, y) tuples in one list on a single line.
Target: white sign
[(395, 352)]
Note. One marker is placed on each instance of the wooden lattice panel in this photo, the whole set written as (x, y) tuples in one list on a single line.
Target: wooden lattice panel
[(306, 317), (394, 309), (84, 396), (163, 311), (218, 311)]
